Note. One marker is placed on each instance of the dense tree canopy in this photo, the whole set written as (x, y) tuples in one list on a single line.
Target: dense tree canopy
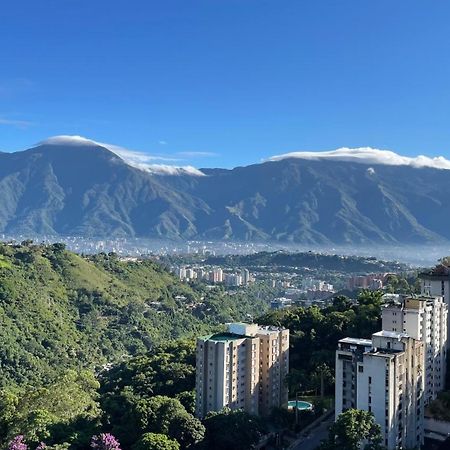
[(314, 333), (233, 429), (352, 429), (61, 311), (156, 441)]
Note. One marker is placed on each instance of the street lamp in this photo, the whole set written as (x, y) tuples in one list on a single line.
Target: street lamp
[(296, 407)]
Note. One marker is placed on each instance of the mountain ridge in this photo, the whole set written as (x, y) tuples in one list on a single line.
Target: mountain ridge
[(85, 188)]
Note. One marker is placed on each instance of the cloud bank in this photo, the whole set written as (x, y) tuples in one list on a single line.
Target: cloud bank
[(368, 155), (133, 158)]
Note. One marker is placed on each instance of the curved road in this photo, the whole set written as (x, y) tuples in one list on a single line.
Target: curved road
[(315, 436)]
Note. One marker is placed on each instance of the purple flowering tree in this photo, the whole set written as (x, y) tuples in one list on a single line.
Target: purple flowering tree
[(18, 443), (104, 441), (41, 446)]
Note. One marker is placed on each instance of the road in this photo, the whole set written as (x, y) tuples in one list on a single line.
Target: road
[(315, 436)]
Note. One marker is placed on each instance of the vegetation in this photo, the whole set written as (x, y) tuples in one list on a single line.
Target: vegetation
[(233, 429), (314, 333), (440, 408), (403, 284), (95, 346), (155, 441), (347, 264), (61, 311), (354, 429)]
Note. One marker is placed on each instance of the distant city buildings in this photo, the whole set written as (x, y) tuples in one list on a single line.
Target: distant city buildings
[(384, 376), (281, 303), (243, 368), (215, 275), (372, 281)]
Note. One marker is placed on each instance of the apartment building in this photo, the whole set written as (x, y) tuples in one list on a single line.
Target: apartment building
[(243, 368), (436, 282), (274, 367), (425, 319), (384, 376)]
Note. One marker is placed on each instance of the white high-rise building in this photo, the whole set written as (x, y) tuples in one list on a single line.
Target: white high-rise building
[(436, 282), (190, 273), (182, 273), (425, 319), (245, 276), (384, 376), (243, 368), (216, 275)]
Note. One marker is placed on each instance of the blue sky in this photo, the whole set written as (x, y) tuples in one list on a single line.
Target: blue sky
[(227, 82)]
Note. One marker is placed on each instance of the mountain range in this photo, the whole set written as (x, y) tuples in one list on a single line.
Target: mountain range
[(73, 186)]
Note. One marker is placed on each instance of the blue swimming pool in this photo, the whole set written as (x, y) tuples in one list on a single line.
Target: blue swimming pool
[(301, 405)]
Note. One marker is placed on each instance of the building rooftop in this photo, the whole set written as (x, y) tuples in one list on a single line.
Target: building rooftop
[(383, 352), (224, 337), (356, 341), (391, 334), (441, 271), (267, 329)]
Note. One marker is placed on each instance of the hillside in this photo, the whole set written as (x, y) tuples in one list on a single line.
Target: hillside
[(59, 310), (79, 187), (338, 263)]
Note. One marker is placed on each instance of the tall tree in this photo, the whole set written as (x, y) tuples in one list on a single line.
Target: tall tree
[(352, 429)]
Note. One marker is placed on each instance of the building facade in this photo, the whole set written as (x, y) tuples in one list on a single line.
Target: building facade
[(274, 367), (436, 282), (425, 319), (243, 368), (384, 376)]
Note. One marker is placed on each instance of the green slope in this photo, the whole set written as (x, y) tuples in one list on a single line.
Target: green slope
[(59, 310)]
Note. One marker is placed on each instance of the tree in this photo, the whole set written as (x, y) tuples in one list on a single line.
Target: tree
[(18, 443), (187, 399), (187, 430), (156, 441), (166, 415), (66, 410), (352, 428), (8, 405), (233, 429), (322, 377), (105, 441)]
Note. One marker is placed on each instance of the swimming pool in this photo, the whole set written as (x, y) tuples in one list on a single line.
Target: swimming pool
[(302, 406)]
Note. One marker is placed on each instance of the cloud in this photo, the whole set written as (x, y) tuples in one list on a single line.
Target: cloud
[(15, 123), (197, 154), (162, 142), (368, 155), (134, 158), (162, 169)]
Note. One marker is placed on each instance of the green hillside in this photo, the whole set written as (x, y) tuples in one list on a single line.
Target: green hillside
[(61, 311)]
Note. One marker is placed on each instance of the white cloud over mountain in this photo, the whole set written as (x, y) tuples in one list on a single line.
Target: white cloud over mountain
[(368, 155), (137, 159), (363, 155)]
